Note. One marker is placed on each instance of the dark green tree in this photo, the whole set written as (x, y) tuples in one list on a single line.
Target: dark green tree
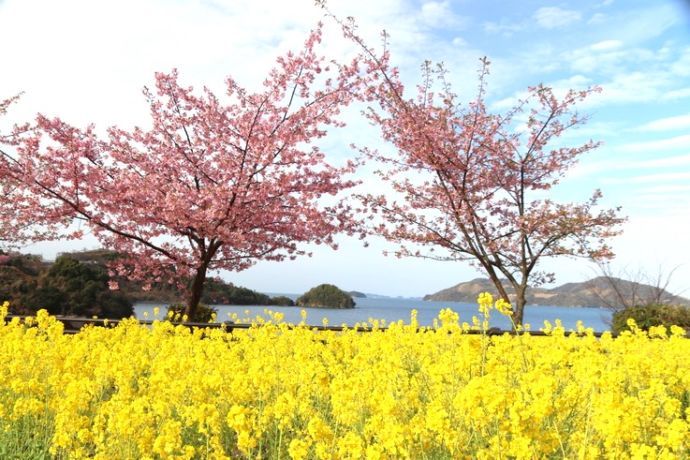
[(282, 301), (70, 287)]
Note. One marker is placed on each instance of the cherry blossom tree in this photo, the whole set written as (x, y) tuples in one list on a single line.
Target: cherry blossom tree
[(472, 185), (16, 221), (210, 185), (6, 188)]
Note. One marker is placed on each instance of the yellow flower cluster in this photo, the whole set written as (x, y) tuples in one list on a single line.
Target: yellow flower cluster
[(274, 391)]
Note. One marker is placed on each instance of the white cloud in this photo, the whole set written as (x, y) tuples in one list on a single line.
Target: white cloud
[(637, 25), (441, 15), (88, 61), (586, 169), (667, 162), (675, 188), (606, 57), (552, 17), (627, 74), (653, 241), (508, 102), (597, 18), (676, 94), (503, 27), (560, 87), (459, 41), (666, 124), (639, 86), (672, 199), (659, 145), (649, 178), (595, 130), (682, 66), (611, 49), (606, 45)]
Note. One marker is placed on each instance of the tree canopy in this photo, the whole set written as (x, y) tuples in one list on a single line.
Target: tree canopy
[(210, 185), (473, 185)]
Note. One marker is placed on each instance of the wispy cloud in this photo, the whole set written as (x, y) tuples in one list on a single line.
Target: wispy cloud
[(667, 162), (676, 94), (503, 27), (637, 25), (652, 84), (605, 57), (664, 145), (606, 45), (597, 18), (552, 17), (682, 66), (649, 178), (675, 188), (441, 15), (666, 124), (607, 167), (560, 87)]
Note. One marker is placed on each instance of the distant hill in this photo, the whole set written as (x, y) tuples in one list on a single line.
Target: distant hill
[(597, 292)]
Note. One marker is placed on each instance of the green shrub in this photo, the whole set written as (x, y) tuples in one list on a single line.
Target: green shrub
[(204, 313), (651, 315)]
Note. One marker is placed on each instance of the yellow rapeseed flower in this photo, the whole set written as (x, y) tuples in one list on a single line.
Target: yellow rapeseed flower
[(270, 391)]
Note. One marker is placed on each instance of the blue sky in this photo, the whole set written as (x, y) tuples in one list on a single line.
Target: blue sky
[(87, 62)]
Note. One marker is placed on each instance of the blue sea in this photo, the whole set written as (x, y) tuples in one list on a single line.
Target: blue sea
[(394, 309)]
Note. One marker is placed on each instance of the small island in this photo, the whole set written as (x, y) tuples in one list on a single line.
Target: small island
[(326, 296), (357, 294)]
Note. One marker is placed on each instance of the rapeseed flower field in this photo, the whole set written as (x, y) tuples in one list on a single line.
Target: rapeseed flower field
[(275, 391)]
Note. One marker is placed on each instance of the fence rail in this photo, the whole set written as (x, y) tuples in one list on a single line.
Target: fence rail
[(72, 325)]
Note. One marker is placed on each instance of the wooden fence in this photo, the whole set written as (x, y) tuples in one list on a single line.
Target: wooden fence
[(74, 324)]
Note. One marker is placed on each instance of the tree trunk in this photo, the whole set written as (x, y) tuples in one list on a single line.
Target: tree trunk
[(196, 290), (519, 305), (499, 287)]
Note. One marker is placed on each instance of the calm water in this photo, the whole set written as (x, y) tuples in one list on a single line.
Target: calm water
[(394, 309)]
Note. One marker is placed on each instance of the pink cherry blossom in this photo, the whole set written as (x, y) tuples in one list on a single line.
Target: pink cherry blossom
[(470, 185), (211, 185)]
